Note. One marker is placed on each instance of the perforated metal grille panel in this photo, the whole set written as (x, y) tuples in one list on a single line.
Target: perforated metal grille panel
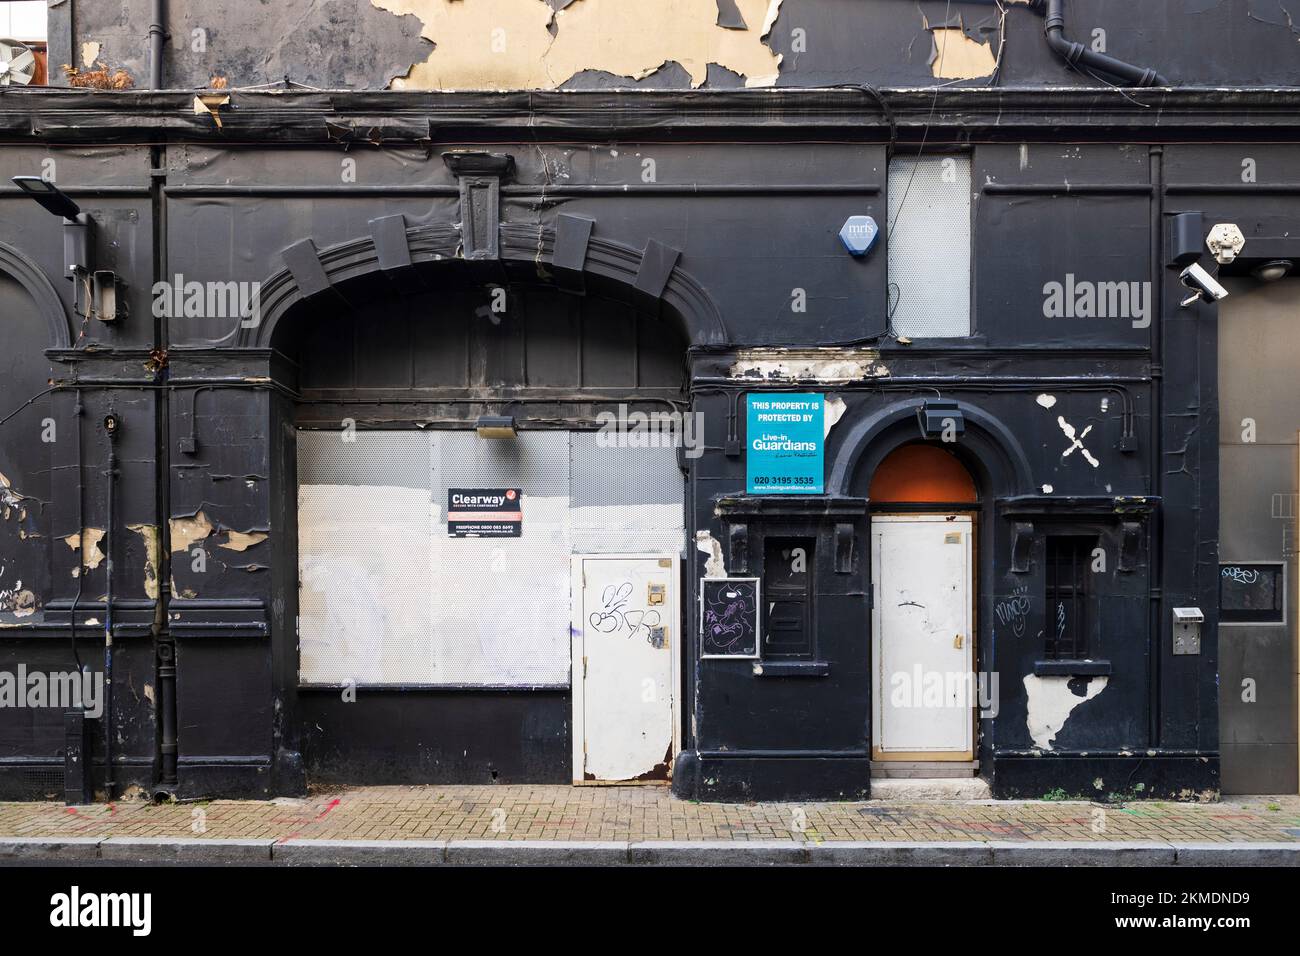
[(929, 246), (364, 524), (501, 605), (624, 499), (387, 597)]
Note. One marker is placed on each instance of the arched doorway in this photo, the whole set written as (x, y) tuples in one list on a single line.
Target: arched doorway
[(923, 503), (490, 517)]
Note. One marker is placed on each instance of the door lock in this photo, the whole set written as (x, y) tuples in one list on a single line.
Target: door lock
[(958, 641), (655, 593)]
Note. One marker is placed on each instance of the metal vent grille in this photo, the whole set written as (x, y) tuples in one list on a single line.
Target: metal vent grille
[(929, 246), (386, 597)]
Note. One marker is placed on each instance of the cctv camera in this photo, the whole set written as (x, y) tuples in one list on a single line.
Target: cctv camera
[(1204, 284)]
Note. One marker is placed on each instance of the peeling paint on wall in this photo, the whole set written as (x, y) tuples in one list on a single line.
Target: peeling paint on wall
[(185, 531), (9, 497), (816, 365), (528, 45), (149, 535), (833, 412), (1051, 701), (90, 53), (88, 542), (714, 566), (955, 56), (17, 600), (242, 540)]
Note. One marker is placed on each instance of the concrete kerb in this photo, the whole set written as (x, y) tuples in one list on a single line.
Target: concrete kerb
[(537, 852), (873, 853), (49, 849), (19, 851), (1237, 854), (173, 850), (1063, 853), (300, 852)]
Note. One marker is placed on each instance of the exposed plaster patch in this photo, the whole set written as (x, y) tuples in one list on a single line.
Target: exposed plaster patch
[(955, 56), (714, 567), (17, 600), (185, 531), (149, 535), (1051, 701), (241, 540), (834, 411), (816, 365), (11, 498), (88, 542), (526, 44), (1047, 401), (90, 53)]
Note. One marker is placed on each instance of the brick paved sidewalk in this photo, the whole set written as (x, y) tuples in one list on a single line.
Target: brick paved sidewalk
[(651, 813)]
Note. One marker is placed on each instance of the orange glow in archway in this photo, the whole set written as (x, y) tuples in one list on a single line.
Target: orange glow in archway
[(922, 473)]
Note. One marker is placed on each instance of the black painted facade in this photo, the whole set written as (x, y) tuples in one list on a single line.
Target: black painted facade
[(675, 290)]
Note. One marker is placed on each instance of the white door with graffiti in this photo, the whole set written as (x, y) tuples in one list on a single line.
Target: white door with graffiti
[(924, 690), (625, 651)]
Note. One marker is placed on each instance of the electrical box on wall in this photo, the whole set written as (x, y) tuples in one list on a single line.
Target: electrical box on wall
[(1187, 630)]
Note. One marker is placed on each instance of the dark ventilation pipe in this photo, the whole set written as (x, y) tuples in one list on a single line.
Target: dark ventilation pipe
[(1076, 54), (112, 426), (156, 37)]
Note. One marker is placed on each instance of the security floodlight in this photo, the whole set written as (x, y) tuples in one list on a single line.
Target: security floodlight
[(50, 196), (939, 415), (496, 426)]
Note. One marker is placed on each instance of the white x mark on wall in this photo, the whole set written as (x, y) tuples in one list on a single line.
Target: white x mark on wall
[(1076, 441)]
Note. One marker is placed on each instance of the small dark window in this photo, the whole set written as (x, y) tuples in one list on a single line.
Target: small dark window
[(787, 598), (1070, 612), (1252, 593)]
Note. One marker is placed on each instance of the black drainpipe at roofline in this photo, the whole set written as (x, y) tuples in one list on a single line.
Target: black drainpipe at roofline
[(157, 34), (1076, 54)]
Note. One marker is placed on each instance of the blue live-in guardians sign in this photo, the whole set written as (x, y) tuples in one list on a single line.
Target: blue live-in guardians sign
[(785, 453)]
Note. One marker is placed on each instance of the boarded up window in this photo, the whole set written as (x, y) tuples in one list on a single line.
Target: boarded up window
[(387, 597), (929, 246)]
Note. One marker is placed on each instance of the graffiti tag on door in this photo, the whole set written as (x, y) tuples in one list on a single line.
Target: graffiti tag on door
[(614, 616)]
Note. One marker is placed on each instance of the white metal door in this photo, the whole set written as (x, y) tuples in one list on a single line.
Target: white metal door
[(625, 634), (921, 637)]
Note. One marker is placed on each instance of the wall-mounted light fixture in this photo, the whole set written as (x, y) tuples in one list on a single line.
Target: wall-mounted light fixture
[(96, 293), (939, 415), (1273, 270), (51, 197), (496, 426)]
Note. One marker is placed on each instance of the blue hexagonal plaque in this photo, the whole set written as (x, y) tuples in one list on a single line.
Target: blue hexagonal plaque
[(859, 234)]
